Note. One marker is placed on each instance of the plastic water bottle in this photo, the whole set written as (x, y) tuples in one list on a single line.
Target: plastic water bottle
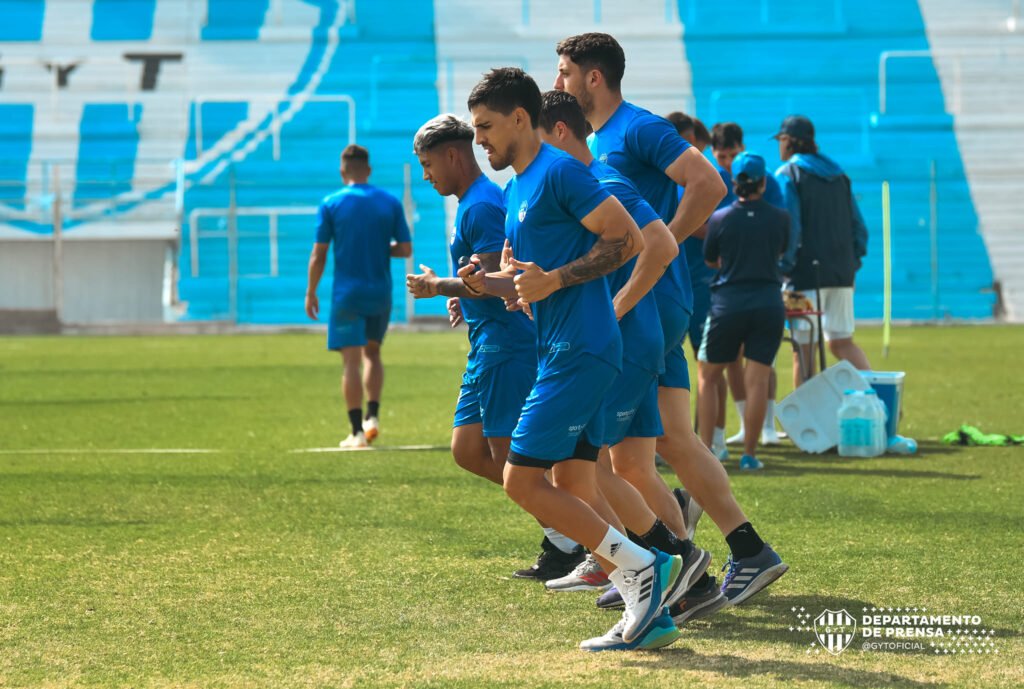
[(861, 424)]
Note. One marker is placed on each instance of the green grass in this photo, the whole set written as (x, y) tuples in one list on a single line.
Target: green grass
[(254, 566)]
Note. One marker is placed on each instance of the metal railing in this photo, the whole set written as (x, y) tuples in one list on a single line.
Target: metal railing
[(956, 56), (278, 118)]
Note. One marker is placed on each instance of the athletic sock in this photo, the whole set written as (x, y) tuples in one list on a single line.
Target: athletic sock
[(719, 437), (373, 409), (741, 409), (769, 416), (355, 417), (622, 552), (703, 581), (638, 540), (744, 541), (563, 543), (664, 540)]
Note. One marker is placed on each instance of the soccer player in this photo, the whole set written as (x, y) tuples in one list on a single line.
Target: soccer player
[(502, 361), (825, 226), (368, 228), (649, 152), (744, 241), (632, 421), (691, 129), (566, 234)]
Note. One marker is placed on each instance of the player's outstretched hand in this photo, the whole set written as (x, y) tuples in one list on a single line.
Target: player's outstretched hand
[(312, 305), (472, 275), (533, 283), (454, 311), (424, 285)]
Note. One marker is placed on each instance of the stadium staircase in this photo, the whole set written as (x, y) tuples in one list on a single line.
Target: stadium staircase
[(763, 59)]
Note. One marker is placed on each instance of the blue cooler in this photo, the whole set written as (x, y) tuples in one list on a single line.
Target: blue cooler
[(888, 385)]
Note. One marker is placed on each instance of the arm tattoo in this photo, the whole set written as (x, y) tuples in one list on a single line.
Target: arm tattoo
[(605, 256)]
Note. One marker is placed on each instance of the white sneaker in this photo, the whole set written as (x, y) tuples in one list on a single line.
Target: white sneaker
[(588, 576), (736, 439), (644, 592), (371, 428), (769, 436), (354, 442), (661, 633)]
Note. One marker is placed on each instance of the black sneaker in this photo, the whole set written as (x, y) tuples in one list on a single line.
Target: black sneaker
[(552, 563), (699, 601)]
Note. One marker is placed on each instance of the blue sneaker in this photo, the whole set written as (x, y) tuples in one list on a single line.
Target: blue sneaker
[(659, 634), (747, 576), (611, 600), (645, 592), (748, 463)]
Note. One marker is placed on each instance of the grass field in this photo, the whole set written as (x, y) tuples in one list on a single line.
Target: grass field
[(254, 566)]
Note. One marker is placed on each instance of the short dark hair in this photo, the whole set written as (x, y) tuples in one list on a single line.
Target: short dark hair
[(745, 186), (700, 133), (355, 154), (504, 89), (443, 129), (598, 51), (680, 120), (805, 146), (559, 106), (726, 135)]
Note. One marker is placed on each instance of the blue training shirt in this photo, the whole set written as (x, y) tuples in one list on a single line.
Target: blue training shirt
[(643, 342), (748, 237), (362, 220), (641, 146), (545, 204), (495, 334), (700, 273)]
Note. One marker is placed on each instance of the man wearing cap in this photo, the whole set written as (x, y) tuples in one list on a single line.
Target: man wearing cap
[(825, 226), (744, 242)]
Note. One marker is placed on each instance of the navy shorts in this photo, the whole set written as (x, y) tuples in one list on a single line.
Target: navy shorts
[(563, 415), (348, 329), (675, 320), (495, 397), (631, 408), (758, 331)]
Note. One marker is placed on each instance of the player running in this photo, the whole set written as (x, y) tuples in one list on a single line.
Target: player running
[(648, 151), (502, 361), (566, 233)]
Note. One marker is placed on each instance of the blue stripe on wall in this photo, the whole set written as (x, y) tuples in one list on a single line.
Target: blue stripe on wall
[(108, 144), (234, 20), (22, 20), (821, 59), (15, 148), (122, 20)]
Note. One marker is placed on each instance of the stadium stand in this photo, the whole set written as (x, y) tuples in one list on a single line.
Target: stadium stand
[(256, 98)]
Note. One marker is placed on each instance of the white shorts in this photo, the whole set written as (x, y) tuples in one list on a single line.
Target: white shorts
[(836, 316)]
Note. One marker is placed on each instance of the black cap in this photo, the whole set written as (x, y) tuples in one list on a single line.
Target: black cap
[(796, 126)]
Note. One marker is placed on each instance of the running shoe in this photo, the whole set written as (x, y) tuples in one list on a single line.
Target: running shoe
[(354, 441), (552, 563), (699, 601), (721, 452), (610, 600), (371, 427), (749, 463), (645, 592), (659, 634), (588, 576), (747, 576), (691, 511)]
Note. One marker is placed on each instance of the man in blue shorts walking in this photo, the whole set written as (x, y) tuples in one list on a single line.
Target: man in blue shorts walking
[(648, 151), (367, 226), (566, 234), (502, 361)]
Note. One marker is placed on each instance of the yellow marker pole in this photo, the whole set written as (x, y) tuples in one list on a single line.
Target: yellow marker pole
[(886, 269)]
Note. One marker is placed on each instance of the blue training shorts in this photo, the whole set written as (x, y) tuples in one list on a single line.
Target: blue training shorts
[(348, 329), (563, 416), (674, 323), (631, 408), (495, 397)]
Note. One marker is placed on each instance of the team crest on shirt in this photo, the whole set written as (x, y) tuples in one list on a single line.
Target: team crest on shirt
[(603, 158), (522, 211)]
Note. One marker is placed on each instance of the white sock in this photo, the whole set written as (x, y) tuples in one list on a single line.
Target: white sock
[(719, 438), (622, 552), (563, 543), (741, 408), (769, 416)]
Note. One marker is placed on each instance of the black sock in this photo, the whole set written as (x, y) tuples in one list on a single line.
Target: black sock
[(664, 540), (373, 409), (744, 541), (702, 581), (637, 540), (355, 417)]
